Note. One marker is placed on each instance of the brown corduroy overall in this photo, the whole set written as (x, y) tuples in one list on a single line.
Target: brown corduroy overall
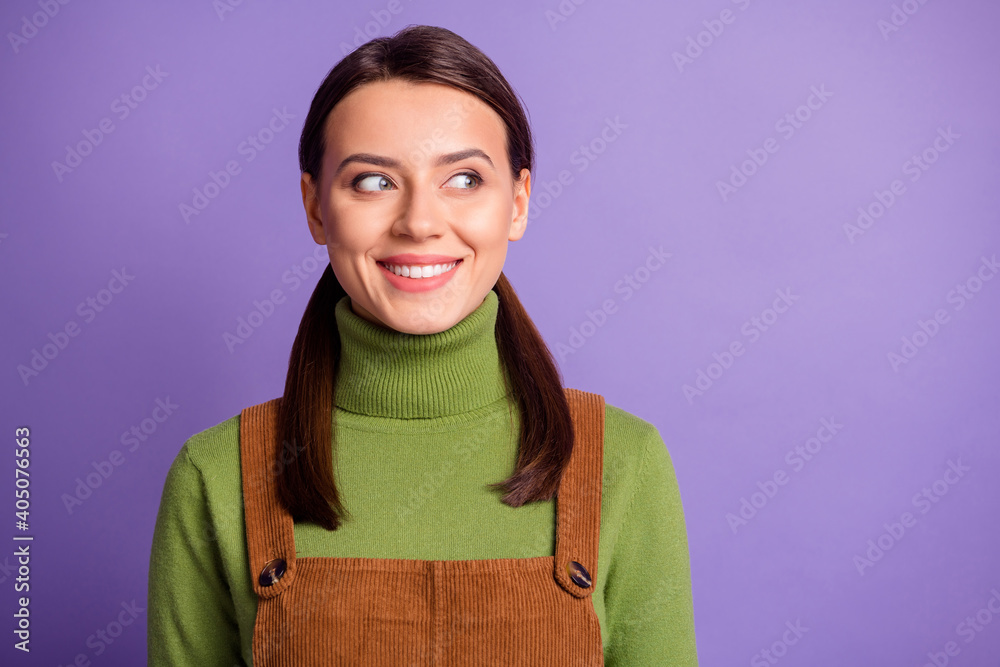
[(399, 612)]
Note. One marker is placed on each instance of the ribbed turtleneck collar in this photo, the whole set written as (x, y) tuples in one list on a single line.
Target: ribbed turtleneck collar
[(386, 373)]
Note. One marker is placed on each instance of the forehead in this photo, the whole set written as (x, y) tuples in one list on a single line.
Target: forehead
[(405, 119)]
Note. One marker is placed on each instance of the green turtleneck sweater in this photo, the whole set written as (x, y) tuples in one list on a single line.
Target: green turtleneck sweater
[(422, 426)]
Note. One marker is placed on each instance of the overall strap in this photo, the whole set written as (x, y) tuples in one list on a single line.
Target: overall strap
[(578, 501), (270, 540), (269, 527)]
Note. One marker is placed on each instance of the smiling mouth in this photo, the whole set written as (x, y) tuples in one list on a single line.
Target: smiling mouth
[(418, 271)]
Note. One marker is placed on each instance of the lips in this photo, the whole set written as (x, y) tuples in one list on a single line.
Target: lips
[(409, 274)]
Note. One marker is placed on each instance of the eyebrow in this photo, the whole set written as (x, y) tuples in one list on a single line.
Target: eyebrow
[(382, 161)]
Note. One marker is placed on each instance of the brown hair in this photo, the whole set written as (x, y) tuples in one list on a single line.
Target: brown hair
[(306, 484)]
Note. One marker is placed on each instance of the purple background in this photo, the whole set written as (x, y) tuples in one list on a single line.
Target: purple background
[(682, 129)]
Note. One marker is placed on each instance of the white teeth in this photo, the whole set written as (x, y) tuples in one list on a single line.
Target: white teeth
[(419, 271)]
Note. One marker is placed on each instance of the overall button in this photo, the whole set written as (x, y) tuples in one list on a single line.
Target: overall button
[(578, 574), (273, 571)]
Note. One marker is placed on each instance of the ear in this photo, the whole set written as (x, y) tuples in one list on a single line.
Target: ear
[(310, 201), (522, 194)]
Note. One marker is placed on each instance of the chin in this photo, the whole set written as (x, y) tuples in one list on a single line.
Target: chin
[(423, 326)]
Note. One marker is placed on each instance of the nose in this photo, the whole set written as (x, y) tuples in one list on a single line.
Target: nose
[(421, 216)]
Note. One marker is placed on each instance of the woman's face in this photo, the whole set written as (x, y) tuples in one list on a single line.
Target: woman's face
[(415, 175)]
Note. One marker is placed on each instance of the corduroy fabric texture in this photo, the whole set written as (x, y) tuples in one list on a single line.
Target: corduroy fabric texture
[(381, 612)]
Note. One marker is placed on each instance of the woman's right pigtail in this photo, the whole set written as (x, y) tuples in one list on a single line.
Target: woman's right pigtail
[(304, 469)]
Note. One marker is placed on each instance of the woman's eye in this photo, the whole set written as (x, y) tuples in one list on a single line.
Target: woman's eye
[(373, 183), (464, 181)]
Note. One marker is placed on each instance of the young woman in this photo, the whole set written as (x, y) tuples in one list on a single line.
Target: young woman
[(425, 492)]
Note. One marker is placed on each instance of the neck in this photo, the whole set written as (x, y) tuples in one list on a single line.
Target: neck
[(386, 373)]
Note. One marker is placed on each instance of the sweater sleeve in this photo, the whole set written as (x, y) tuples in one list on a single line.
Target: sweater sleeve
[(191, 615), (648, 596)]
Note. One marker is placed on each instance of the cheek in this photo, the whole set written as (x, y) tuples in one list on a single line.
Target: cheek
[(349, 227), (489, 220)]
